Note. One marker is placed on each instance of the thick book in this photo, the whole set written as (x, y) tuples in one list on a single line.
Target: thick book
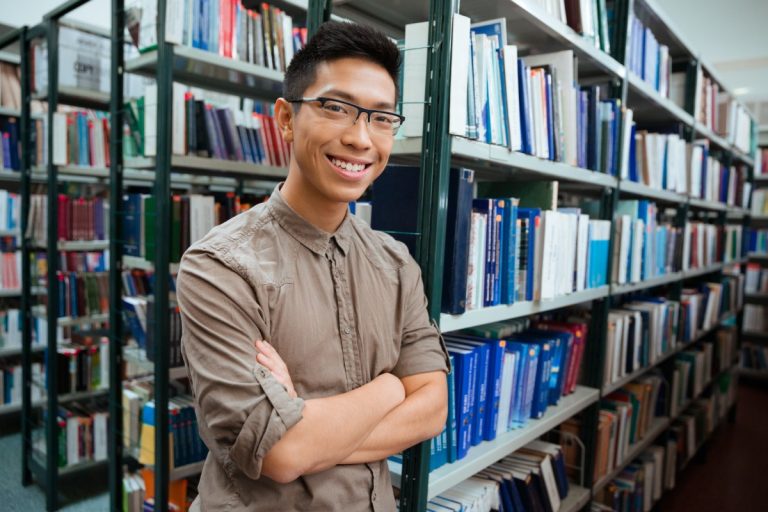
[(457, 241), (395, 204)]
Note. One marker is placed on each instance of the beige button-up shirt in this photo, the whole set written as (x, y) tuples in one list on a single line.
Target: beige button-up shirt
[(339, 308)]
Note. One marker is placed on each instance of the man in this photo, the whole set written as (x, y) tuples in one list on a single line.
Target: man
[(350, 370)]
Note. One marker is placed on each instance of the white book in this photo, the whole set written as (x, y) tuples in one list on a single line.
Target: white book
[(73, 441), (100, 436), (582, 244), (201, 216), (626, 136), (476, 272), (414, 77), (178, 120), (174, 23), (549, 223), (513, 97), (60, 154), (460, 70), (150, 120), (637, 250), (482, 61)]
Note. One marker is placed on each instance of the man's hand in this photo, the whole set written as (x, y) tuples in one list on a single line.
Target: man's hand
[(270, 359)]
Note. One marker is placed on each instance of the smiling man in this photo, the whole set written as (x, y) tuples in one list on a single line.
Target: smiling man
[(305, 333)]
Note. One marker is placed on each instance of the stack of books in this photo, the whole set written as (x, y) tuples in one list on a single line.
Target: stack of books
[(647, 58), (83, 365), (756, 278), (757, 240), (80, 218), (641, 483)]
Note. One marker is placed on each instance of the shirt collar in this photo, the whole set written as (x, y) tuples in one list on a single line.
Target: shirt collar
[(310, 236)]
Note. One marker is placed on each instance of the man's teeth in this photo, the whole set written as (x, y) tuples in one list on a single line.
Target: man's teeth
[(348, 165)]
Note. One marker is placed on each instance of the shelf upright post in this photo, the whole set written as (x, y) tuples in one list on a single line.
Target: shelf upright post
[(51, 370), (319, 11), (594, 359), (161, 331), (115, 438), (26, 295), (433, 189)]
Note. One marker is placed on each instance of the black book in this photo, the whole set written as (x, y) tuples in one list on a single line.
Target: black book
[(396, 203), (459, 218)]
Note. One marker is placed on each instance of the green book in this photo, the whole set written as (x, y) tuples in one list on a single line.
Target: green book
[(532, 194)]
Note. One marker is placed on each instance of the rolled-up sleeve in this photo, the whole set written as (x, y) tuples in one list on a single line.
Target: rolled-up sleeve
[(422, 349), (243, 411)]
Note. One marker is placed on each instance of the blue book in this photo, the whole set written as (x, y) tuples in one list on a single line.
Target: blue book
[(500, 207), (395, 204), (559, 341), (543, 372), (550, 120), (496, 349), (458, 222), (132, 225), (509, 251), (482, 352), (487, 206), (464, 386), (525, 110), (83, 157), (593, 127), (598, 256), (525, 381), (532, 218), (633, 155)]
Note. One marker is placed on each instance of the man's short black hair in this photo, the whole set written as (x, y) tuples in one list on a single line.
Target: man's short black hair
[(337, 40)]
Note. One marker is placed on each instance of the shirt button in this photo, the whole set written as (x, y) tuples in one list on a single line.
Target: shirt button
[(374, 496), (346, 330)]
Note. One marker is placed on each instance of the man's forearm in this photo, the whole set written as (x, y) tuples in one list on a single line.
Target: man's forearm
[(332, 428), (421, 416)]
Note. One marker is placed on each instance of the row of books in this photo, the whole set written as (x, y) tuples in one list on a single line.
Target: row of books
[(139, 313), (138, 492), (590, 18), (702, 308), (216, 129), (638, 334), (760, 202), (756, 279), (700, 245), (753, 357), (755, 318), (10, 211), (82, 294), (10, 86), (757, 240), (530, 104), (83, 364), (79, 218), (11, 383), (69, 261), (761, 162), (10, 270), (10, 328), (530, 479), (647, 58), (184, 439), (641, 483), (503, 376), (626, 416), (80, 138), (722, 114), (510, 244), (644, 248), (265, 36), (192, 216), (10, 144), (83, 433), (707, 112), (666, 161)]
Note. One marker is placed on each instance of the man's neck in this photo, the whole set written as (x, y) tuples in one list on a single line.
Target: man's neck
[(317, 211)]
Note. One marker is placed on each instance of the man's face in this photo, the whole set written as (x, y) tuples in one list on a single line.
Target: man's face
[(330, 155)]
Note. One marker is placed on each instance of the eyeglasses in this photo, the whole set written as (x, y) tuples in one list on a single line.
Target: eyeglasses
[(346, 114)]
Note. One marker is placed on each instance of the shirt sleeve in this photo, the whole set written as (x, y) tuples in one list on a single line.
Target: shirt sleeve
[(421, 348), (243, 411)]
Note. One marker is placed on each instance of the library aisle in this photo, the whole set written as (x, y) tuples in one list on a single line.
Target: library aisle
[(732, 475)]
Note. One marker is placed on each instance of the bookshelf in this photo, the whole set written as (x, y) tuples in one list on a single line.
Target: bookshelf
[(41, 436)]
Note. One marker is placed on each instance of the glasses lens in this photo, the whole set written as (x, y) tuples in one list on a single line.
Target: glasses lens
[(385, 122), (338, 111)]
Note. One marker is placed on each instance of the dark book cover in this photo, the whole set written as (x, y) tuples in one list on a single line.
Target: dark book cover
[(457, 241), (395, 204)]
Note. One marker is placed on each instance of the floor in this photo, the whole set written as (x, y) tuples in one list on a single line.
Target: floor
[(732, 473), (729, 475)]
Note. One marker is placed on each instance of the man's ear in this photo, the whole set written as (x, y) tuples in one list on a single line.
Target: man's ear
[(284, 116)]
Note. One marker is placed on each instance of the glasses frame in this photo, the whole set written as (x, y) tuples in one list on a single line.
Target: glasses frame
[(360, 110)]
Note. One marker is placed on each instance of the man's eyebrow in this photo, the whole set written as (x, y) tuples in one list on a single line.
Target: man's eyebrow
[(384, 105)]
